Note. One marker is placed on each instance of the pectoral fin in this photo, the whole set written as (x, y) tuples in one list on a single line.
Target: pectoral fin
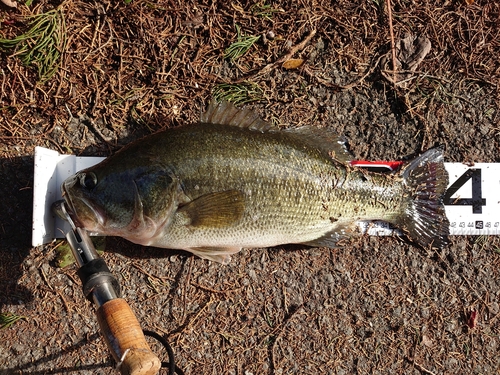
[(215, 210), (216, 254)]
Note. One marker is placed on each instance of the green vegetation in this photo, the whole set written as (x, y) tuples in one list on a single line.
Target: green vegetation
[(64, 255), (8, 319), (239, 93), (261, 9), (241, 46), (42, 45)]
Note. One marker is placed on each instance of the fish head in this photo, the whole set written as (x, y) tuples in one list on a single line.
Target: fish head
[(133, 203), (99, 203)]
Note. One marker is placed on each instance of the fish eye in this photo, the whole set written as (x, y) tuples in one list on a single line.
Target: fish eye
[(88, 180)]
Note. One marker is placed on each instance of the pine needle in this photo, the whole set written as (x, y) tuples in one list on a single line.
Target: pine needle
[(239, 93), (8, 319), (42, 45), (241, 46)]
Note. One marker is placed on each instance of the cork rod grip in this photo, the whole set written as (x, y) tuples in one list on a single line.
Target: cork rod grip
[(125, 339)]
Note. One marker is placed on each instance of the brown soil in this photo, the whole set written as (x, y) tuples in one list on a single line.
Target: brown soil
[(375, 306)]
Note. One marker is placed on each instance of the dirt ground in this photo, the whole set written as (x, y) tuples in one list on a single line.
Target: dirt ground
[(375, 306)]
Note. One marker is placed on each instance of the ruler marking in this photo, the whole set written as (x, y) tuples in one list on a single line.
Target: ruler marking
[(477, 201)]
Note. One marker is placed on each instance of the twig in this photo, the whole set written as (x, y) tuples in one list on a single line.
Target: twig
[(2, 91), (370, 71), (348, 86), (278, 330), (186, 286), (65, 303), (271, 66), (44, 277), (393, 44), (206, 288), (422, 368)]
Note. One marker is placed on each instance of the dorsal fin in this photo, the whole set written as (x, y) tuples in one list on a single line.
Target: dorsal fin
[(226, 113), (323, 139)]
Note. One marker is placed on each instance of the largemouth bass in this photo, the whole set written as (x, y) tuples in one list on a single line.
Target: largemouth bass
[(233, 181)]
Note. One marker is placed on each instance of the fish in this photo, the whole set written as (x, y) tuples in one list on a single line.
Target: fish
[(233, 181)]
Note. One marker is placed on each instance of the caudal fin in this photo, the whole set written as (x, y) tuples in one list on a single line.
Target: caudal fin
[(424, 217)]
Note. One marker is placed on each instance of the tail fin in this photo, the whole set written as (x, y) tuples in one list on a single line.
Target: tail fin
[(424, 216)]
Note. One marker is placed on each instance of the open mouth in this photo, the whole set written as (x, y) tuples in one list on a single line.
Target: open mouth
[(82, 212), (71, 213)]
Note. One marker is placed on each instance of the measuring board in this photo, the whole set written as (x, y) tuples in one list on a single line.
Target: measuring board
[(472, 200)]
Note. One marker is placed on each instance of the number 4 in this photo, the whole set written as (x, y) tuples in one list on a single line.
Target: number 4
[(477, 201)]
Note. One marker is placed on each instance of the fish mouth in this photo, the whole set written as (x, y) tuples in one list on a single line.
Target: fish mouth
[(82, 212), (70, 210)]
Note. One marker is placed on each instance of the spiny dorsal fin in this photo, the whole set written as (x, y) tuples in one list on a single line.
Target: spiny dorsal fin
[(327, 141), (323, 139), (226, 113), (215, 210)]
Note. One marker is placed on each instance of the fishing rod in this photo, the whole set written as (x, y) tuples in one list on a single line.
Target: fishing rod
[(122, 332)]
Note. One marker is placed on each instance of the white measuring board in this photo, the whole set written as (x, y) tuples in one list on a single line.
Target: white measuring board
[(472, 202), (51, 169), (472, 199)]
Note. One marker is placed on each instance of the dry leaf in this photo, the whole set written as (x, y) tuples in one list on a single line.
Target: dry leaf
[(472, 321), (410, 52), (426, 341), (293, 63), (235, 7), (469, 2), (10, 3)]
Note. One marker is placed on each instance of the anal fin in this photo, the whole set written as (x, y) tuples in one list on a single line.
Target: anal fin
[(216, 254), (333, 238)]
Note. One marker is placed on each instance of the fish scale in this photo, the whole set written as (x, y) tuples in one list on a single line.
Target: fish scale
[(292, 187), (213, 188)]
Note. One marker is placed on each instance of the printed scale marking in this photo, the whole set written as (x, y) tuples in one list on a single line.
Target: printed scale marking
[(472, 200)]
